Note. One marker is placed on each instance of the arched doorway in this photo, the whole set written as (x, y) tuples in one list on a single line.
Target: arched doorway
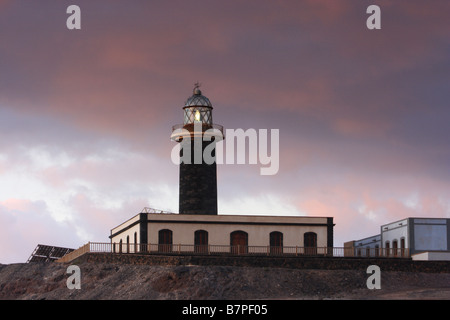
[(394, 247), (201, 241), (165, 240), (402, 247), (310, 243), (239, 242), (276, 242), (387, 246)]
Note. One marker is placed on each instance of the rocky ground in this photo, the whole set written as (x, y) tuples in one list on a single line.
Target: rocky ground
[(101, 281)]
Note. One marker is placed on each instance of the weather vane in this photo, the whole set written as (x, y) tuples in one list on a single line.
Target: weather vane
[(197, 85)]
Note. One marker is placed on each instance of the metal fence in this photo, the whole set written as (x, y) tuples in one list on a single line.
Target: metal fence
[(185, 249)]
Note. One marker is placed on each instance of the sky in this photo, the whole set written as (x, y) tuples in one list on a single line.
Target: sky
[(86, 115)]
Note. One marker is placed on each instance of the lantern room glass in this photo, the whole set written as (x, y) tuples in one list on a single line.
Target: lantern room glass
[(202, 114)]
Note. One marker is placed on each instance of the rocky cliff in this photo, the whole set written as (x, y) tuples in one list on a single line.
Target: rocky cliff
[(128, 281)]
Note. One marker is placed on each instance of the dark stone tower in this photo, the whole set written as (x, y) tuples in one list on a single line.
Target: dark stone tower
[(198, 171)]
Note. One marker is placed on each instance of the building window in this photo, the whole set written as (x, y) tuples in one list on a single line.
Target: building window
[(276, 242), (402, 247), (165, 240), (377, 250), (201, 241), (310, 243), (120, 246), (128, 244), (135, 242), (388, 247), (394, 247), (239, 242)]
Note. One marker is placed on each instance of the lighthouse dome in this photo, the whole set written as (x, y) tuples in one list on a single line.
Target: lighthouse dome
[(198, 100)]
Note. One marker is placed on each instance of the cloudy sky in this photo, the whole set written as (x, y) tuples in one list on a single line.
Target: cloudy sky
[(86, 115)]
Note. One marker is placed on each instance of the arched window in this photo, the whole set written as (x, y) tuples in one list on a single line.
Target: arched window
[(201, 241), (165, 240), (128, 244), (120, 246), (310, 243), (135, 242), (276, 242), (239, 242)]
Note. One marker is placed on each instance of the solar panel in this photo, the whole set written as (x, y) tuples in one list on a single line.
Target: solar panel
[(43, 250), (37, 259), (45, 253)]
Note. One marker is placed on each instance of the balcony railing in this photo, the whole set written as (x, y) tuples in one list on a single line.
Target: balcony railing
[(186, 249), (214, 126), (180, 132)]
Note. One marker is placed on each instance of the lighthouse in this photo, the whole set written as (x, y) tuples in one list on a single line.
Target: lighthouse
[(199, 228), (197, 137)]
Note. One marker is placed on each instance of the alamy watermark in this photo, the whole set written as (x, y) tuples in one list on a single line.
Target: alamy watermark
[(373, 21), (74, 280), (232, 150), (374, 281)]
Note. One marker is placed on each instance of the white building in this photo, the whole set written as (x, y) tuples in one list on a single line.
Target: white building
[(367, 247), (181, 233), (406, 237)]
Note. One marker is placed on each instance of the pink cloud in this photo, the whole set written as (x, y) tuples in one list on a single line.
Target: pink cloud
[(116, 82)]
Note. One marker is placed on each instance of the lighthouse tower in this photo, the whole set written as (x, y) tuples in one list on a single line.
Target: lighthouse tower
[(198, 171)]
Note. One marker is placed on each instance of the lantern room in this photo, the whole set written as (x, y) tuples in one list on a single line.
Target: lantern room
[(198, 108)]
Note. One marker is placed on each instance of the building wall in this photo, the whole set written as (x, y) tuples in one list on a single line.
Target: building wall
[(130, 233), (307, 263), (395, 231), (125, 224), (432, 256), (369, 242), (219, 228), (430, 234), (219, 234), (368, 246), (419, 234)]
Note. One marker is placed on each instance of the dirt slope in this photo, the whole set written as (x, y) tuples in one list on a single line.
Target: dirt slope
[(124, 281)]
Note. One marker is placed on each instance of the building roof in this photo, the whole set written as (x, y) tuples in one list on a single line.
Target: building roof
[(197, 99)]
